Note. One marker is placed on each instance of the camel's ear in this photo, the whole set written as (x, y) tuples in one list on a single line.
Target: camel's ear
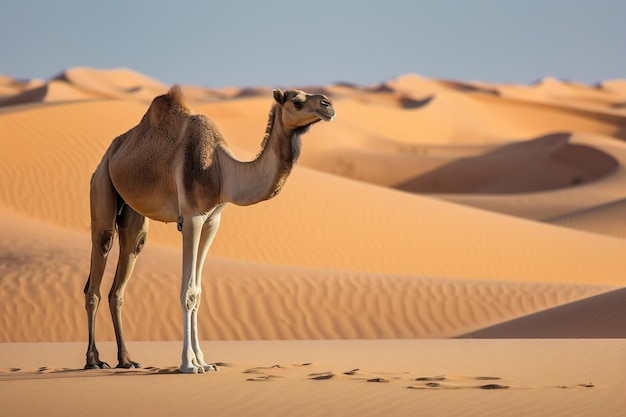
[(279, 96)]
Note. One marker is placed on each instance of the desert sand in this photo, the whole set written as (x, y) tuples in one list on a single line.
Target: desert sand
[(443, 248)]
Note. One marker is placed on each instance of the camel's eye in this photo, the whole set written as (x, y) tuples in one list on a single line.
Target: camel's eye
[(298, 104)]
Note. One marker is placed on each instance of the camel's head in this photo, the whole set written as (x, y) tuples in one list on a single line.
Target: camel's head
[(300, 109)]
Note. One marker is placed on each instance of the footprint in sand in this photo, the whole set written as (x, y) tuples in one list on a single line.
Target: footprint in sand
[(263, 378), (322, 376), (371, 376), (272, 373), (443, 382), (431, 378), (356, 374)]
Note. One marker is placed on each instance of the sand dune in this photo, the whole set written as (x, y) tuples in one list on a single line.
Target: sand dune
[(429, 209), (459, 237), (10, 86), (603, 318), (84, 84), (544, 163), (607, 219), (246, 300), (53, 91)]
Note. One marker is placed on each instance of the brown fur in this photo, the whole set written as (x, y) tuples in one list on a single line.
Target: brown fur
[(169, 105)]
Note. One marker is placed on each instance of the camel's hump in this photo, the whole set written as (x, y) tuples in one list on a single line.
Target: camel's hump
[(168, 106), (177, 97)]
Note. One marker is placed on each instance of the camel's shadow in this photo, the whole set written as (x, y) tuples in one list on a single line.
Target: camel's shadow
[(44, 372)]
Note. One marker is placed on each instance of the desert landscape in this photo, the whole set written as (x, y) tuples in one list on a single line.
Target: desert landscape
[(442, 248)]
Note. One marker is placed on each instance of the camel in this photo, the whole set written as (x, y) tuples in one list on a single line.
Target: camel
[(175, 166)]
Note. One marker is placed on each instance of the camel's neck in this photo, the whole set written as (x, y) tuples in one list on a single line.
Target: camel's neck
[(245, 183)]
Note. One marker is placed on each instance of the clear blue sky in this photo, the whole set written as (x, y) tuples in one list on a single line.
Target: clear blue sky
[(216, 43)]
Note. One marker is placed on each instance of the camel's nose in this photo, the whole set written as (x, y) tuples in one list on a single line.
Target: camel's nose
[(329, 110)]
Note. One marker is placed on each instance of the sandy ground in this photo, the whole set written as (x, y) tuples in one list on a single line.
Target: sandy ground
[(442, 247), (322, 377)]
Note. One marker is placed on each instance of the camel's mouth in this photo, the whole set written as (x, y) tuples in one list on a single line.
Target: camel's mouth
[(326, 114)]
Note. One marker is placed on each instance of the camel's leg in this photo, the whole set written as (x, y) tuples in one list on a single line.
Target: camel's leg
[(209, 230), (198, 233), (103, 201), (132, 230), (189, 296)]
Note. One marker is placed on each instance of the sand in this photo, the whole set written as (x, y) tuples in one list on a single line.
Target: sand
[(442, 247), (327, 377)]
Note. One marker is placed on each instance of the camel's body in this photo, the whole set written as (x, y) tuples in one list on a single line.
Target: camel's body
[(175, 167)]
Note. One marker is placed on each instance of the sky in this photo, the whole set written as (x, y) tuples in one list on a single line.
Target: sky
[(282, 43)]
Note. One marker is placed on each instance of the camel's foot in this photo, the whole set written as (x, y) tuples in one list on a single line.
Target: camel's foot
[(211, 367), (193, 363), (128, 365), (97, 365), (93, 359), (194, 368), (199, 361), (191, 369)]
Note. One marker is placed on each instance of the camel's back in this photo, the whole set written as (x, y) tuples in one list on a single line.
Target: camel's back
[(147, 164), (155, 140)]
